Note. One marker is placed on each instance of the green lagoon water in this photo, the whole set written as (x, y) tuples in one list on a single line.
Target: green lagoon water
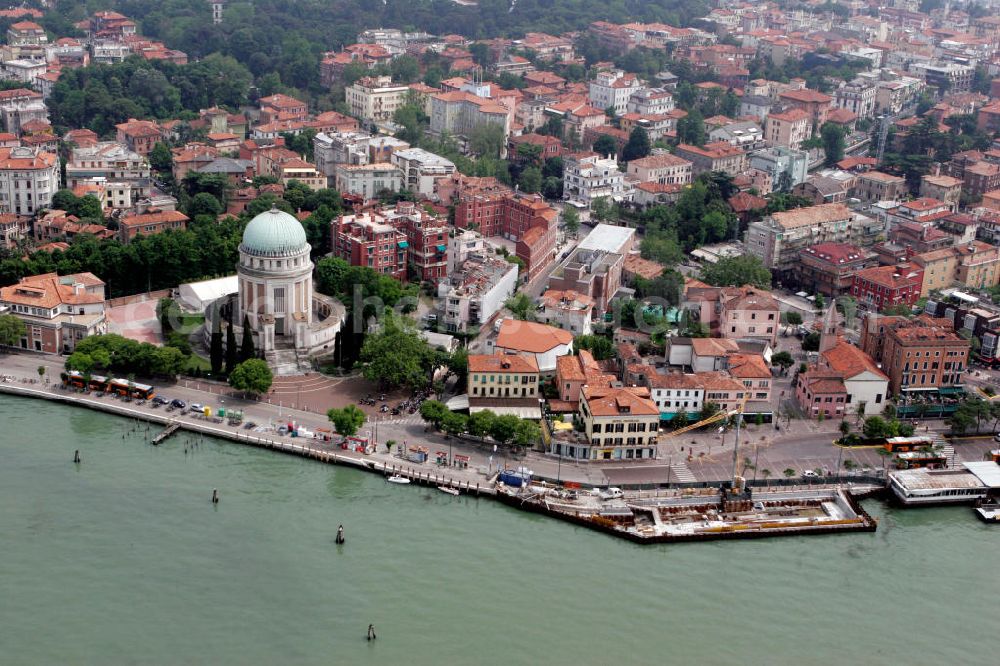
[(123, 560)]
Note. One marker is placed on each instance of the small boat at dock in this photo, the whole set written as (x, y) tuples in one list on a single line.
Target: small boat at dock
[(988, 511), (450, 491), (396, 478)]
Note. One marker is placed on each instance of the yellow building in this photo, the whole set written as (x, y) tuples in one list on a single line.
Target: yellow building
[(503, 376), (939, 269), (620, 423), (978, 265)]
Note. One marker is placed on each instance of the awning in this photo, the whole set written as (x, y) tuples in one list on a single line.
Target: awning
[(403, 244), (951, 390), (442, 248)]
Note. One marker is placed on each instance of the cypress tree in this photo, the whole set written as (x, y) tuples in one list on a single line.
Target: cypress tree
[(232, 353), (215, 351), (247, 350)]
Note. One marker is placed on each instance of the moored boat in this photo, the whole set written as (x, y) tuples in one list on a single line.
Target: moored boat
[(450, 491), (396, 478)]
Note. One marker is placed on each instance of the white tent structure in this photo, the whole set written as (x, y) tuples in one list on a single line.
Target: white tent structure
[(196, 296)]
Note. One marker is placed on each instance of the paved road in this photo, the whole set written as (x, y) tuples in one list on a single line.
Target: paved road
[(704, 456)]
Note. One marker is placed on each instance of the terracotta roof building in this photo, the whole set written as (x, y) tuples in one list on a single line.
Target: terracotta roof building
[(58, 311)]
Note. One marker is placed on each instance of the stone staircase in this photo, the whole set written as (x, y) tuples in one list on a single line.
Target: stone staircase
[(287, 361)]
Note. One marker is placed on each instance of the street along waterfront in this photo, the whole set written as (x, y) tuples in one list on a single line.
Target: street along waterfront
[(124, 558)]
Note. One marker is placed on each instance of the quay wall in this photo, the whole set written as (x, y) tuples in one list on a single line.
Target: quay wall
[(415, 476), (289, 447)]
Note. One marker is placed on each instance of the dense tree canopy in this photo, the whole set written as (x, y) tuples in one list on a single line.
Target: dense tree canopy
[(736, 272)]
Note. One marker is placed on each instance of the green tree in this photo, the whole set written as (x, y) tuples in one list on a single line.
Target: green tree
[(204, 203), (247, 350), (504, 428), (691, 129), (638, 145), (604, 209), (454, 424), (252, 376), (395, 355), (160, 157), (347, 420), (232, 351), (521, 306), (12, 330), (601, 347), (530, 180), (215, 353), (792, 318), (527, 433), (833, 143), (434, 412), (845, 430), (481, 423), (605, 145), (405, 69), (736, 272), (783, 360), (811, 342), (571, 220)]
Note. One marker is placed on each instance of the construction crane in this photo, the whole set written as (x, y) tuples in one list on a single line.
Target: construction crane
[(721, 416)]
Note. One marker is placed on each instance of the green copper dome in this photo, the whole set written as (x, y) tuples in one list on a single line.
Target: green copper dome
[(274, 232)]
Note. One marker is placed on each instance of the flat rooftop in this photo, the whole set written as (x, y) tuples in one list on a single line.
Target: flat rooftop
[(608, 238)]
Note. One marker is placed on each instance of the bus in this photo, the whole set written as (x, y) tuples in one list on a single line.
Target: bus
[(123, 387), (902, 444), (77, 380), (133, 390)]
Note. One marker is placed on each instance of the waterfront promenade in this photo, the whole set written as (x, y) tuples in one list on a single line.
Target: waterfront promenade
[(705, 457)]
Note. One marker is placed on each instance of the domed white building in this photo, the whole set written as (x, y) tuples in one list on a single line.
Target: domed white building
[(289, 320)]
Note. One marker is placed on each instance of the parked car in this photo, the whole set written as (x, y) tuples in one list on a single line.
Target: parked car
[(196, 407), (809, 473), (178, 404), (160, 400)]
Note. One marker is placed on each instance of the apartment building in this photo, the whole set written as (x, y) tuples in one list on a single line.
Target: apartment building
[(858, 97), (459, 112), (567, 310), (920, 354), (886, 286), (748, 313), (664, 168), (476, 291), (367, 180), (783, 165), (717, 156), (651, 102), (788, 128), (829, 268), (421, 169), (277, 107), (139, 136), (613, 90), (375, 99), (595, 267), (112, 162), (779, 238), (587, 177), (427, 241), (28, 179), (58, 310), (619, 424), (502, 377), (872, 186), (21, 106), (943, 188), (574, 371), (813, 102), (366, 239), (149, 224)]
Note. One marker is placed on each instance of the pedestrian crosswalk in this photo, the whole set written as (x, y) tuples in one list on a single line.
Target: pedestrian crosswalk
[(680, 473), (410, 419)]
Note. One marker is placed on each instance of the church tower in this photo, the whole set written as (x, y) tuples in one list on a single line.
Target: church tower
[(830, 334)]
